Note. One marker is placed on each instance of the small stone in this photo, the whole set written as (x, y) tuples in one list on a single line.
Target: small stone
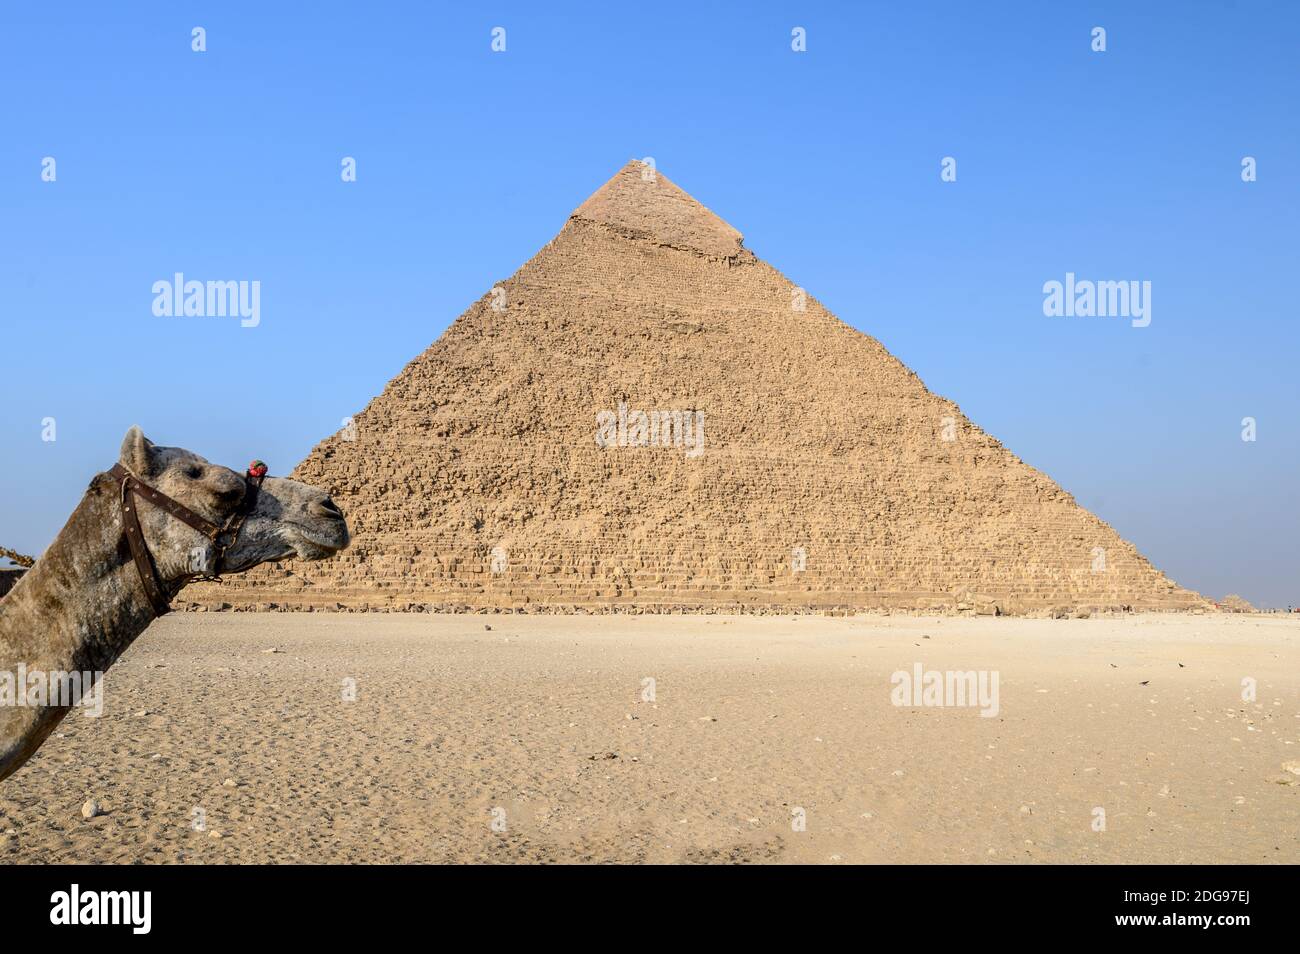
[(1293, 766), (229, 783), (91, 809)]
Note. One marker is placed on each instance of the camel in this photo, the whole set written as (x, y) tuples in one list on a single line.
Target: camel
[(86, 599)]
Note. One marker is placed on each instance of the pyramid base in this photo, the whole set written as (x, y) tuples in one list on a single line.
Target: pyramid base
[(214, 598)]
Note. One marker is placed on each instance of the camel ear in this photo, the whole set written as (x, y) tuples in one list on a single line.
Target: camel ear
[(138, 454)]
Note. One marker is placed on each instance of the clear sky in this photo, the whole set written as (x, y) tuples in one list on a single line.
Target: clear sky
[(1116, 165)]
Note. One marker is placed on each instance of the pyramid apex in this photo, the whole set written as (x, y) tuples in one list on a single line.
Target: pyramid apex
[(643, 201)]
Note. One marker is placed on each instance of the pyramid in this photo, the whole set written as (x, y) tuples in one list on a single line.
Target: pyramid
[(648, 418)]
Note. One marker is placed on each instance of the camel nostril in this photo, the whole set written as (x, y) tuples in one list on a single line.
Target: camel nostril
[(327, 508)]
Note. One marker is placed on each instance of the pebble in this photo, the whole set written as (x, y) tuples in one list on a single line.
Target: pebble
[(91, 809), (229, 783)]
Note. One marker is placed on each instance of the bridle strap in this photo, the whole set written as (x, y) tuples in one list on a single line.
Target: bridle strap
[(154, 588), (133, 490), (129, 481)]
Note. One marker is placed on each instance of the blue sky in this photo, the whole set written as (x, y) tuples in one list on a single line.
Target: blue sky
[(225, 164)]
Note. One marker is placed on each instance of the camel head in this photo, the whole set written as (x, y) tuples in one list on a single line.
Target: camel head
[(291, 519)]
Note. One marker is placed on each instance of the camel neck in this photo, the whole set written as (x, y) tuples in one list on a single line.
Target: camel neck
[(76, 611), (81, 605)]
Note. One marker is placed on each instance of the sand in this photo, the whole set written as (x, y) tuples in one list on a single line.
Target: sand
[(531, 742)]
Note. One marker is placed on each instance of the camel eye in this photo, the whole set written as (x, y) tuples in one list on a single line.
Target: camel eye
[(193, 472)]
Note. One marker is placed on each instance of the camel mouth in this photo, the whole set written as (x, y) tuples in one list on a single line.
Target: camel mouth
[(318, 542)]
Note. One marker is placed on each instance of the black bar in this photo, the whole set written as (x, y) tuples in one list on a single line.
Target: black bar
[(335, 904)]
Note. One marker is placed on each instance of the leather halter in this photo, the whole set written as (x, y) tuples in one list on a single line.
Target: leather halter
[(132, 486)]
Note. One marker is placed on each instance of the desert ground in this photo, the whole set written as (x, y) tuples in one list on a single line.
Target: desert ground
[(228, 738)]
